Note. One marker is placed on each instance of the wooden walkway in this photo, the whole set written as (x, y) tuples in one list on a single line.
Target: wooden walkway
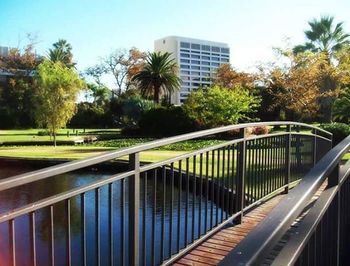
[(214, 249)]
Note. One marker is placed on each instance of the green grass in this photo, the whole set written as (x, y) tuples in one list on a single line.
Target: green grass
[(32, 134)]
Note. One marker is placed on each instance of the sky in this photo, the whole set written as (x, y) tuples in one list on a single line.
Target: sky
[(95, 28)]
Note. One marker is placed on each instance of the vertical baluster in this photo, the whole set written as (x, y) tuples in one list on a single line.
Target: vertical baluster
[(134, 207), (110, 222), (171, 208), (162, 235), (194, 191), (33, 234), (273, 177), (228, 183), (144, 222), (68, 235), (234, 180), (241, 174), (179, 207), (154, 216), (212, 189), (217, 198), (200, 194), (255, 169), (187, 200), (287, 161), (12, 236), (97, 226), (52, 238), (83, 229), (223, 187), (206, 190), (122, 237)]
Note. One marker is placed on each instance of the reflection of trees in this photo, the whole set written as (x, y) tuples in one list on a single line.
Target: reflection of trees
[(59, 210)]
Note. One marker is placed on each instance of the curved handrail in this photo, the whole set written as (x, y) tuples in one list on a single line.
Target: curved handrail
[(26, 178), (266, 234)]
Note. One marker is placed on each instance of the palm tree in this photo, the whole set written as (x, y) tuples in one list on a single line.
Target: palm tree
[(327, 38), (324, 36), (158, 75), (62, 52)]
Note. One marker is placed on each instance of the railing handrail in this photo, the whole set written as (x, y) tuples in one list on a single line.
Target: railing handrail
[(266, 234), (33, 176)]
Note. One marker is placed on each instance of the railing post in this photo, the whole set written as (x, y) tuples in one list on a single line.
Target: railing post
[(334, 180), (134, 205), (287, 159), (314, 131), (241, 173)]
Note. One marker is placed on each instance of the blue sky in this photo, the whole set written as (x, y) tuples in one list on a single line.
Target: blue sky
[(95, 28)]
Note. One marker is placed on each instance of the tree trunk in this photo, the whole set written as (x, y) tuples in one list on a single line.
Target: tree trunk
[(54, 138), (156, 94)]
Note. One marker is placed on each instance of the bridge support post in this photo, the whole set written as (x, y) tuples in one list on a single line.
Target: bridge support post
[(314, 147), (241, 157), (287, 159), (134, 205)]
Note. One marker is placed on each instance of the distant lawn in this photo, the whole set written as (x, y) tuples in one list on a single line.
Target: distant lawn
[(77, 152), (33, 134)]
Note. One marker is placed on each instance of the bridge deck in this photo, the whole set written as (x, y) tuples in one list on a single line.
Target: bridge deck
[(214, 249)]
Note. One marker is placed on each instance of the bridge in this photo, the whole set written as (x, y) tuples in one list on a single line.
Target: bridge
[(280, 198)]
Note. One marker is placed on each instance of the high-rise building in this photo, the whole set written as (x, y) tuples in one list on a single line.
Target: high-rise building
[(197, 60)]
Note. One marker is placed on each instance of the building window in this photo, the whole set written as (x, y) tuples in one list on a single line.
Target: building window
[(196, 52), (206, 53), (224, 60), (184, 45), (185, 83), (215, 64), (205, 63), (225, 55), (225, 50), (185, 72), (206, 47), (185, 66), (215, 58), (196, 84), (215, 49), (184, 50), (206, 68), (195, 46), (215, 54), (195, 73), (184, 55), (195, 67), (185, 78), (185, 61), (196, 56), (195, 62), (204, 57)]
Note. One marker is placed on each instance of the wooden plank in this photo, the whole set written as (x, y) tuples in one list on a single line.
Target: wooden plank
[(207, 261), (207, 254), (212, 250)]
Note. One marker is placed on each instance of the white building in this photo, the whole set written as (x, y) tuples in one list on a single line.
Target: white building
[(197, 60)]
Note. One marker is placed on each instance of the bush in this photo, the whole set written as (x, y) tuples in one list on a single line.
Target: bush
[(217, 106), (166, 121), (88, 115), (261, 130), (339, 130)]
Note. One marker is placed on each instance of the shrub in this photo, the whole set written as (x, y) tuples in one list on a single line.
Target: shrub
[(339, 130), (217, 106), (166, 121), (261, 130)]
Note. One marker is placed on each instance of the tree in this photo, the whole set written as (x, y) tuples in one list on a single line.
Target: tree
[(218, 106), (341, 108), (326, 38), (58, 87), (296, 86), (323, 36), (17, 86), (159, 76), (100, 94), (227, 77), (122, 65), (62, 52)]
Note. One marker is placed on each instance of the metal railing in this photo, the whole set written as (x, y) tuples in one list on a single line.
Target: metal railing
[(152, 214), (321, 237)]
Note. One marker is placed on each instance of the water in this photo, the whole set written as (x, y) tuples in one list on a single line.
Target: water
[(27, 194)]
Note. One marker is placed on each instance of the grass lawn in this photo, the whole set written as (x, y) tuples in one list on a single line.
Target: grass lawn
[(77, 152), (32, 134)]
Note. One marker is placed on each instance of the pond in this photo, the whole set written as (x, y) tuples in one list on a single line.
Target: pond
[(173, 217)]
